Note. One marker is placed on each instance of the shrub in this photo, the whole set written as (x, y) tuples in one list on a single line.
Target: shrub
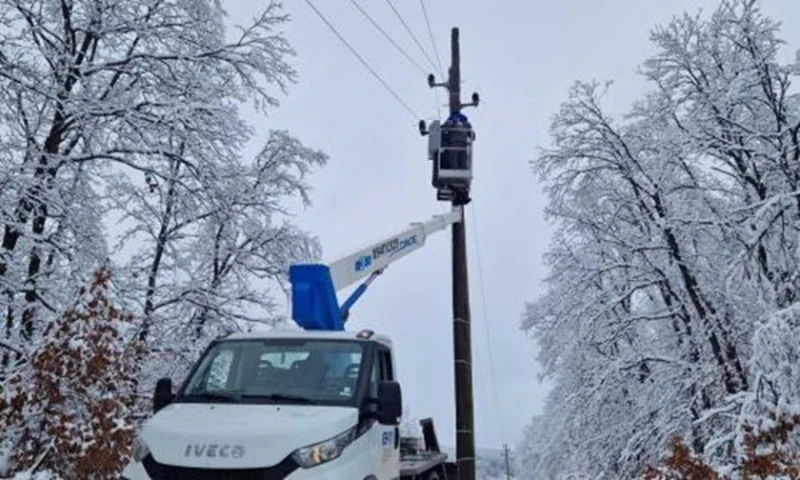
[(68, 410)]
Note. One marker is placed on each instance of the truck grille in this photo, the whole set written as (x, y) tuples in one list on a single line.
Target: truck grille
[(160, 471)]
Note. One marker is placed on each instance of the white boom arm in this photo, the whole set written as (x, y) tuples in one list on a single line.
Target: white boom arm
[(378, 256)]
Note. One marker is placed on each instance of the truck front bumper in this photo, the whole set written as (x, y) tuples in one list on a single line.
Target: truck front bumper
[(339, 469)]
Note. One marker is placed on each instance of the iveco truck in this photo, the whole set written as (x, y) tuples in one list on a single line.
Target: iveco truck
[(317, 403), (284, 405)]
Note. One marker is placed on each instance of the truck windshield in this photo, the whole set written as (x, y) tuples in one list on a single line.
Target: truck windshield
[(277, 371)]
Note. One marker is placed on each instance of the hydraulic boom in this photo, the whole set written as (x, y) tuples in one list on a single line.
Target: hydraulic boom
[(314, 286)]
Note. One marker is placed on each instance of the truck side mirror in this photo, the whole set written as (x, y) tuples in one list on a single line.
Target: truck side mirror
[(390, 403), (163, 394)]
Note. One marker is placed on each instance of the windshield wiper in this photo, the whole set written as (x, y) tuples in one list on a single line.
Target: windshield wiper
[(228, 396), (279, 397)]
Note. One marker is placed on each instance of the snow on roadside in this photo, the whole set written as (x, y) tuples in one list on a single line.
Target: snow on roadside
[(36, 476)]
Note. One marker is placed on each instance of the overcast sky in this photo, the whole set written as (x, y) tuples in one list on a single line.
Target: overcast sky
[(521, 56)]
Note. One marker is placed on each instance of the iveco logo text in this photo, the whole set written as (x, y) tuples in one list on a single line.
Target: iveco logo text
[(214, 450)]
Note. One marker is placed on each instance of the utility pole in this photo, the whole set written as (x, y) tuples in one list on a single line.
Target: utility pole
[(457, 192), (462, 341)]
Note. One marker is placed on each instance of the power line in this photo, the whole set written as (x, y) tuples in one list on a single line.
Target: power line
[(424, 53), (388, 37), (363, 62), (430, 34), (413, 37), (436, 52), (486, 322)]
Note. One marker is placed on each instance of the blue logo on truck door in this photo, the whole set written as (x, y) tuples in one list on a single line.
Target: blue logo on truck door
[(388, 438)]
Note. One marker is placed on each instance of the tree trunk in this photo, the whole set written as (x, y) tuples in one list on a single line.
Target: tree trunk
[(158, 255)]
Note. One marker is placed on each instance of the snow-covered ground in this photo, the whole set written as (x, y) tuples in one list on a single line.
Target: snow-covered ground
[(35, 476), (490, 462)]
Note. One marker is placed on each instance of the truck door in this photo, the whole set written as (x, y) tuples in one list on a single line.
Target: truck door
[(389, 434)]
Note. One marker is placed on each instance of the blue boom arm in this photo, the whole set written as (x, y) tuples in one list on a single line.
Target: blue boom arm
[(314, 286)]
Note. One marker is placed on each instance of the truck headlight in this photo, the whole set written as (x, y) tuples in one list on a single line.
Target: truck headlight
[(139, 450), (325, 451)]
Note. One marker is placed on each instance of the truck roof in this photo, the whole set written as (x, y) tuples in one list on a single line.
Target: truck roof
[(363, 335)]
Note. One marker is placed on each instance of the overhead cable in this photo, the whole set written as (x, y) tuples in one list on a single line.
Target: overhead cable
[(364, 62)]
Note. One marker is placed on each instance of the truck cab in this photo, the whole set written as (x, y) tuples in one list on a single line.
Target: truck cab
[(279, 405)]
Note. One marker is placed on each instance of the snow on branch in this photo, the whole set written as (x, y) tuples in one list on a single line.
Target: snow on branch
[(669, 310)]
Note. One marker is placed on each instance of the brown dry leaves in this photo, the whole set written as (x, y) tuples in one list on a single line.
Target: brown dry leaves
[(768, 455), (70, 407)]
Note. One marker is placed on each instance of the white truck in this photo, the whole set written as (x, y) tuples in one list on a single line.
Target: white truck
[(313, 403)]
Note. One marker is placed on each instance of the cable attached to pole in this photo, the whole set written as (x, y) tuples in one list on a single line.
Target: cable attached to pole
[(364, 62), (411, 34), (430, 34), (388, 37)]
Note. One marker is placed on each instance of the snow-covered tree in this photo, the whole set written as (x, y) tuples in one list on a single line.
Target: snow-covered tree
[(98, 96), (122, 144), (69, 412), (677, 237), (211, 252)]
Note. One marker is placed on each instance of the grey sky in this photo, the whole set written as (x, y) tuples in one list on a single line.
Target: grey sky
[(522, 57)]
